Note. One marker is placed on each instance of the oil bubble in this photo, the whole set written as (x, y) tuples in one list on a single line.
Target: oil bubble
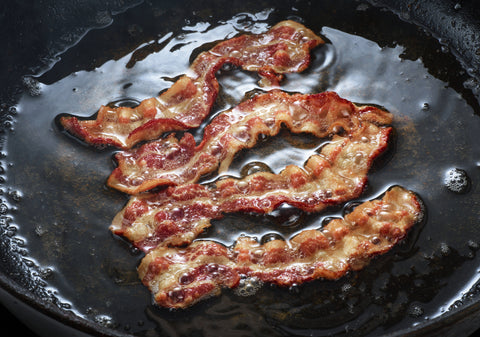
[(270, 237), (444, 249), (294, 289), (15, 196), (254, 167), (11, 231), (3, 209), (46, 273), (349, 207), (472, 84), (287, 216), (362, 7), (32, 86), (124, 102), (415, 311), (457, 181), (104, 320), (248, 286), (12, 110), (103, 18), (457, 304), (473, 244), (445, 49), (325, 221)]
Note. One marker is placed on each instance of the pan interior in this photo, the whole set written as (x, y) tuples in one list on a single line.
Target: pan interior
[(57, 209)]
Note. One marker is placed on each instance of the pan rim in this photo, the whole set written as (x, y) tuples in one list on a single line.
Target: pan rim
[(52, 311), (69, 319)]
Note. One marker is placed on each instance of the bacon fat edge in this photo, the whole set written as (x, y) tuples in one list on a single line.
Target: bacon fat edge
[(180, 277), (170, 161), (285, 48)]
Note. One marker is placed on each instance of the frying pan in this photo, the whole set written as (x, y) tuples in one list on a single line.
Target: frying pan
[(63, 273)]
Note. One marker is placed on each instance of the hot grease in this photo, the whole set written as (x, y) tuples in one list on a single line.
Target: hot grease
[(436, 122)]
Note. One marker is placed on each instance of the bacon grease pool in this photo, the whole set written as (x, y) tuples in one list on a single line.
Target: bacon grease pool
[(61, 208)]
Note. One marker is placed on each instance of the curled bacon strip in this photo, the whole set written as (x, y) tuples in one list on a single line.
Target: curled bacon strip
[(172, 162), (176, 215), (179, 277), (284, 48)]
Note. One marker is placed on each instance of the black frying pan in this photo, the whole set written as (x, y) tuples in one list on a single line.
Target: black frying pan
[(63, 273)]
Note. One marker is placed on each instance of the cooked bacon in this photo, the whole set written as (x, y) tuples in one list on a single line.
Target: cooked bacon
[(172, 162), (180, 277), (285, 48), (178, 214)]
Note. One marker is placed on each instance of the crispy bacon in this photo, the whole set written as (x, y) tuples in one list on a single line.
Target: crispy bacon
[(179, 277), (177, 214), (172, 162), (283, 49)]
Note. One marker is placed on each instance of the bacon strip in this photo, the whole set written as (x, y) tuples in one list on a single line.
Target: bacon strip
[(176, 215), (172, 162), (284, 48), (180, 277)]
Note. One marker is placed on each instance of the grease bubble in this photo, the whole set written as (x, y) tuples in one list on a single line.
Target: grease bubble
[(456, 180), (248, 286)]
